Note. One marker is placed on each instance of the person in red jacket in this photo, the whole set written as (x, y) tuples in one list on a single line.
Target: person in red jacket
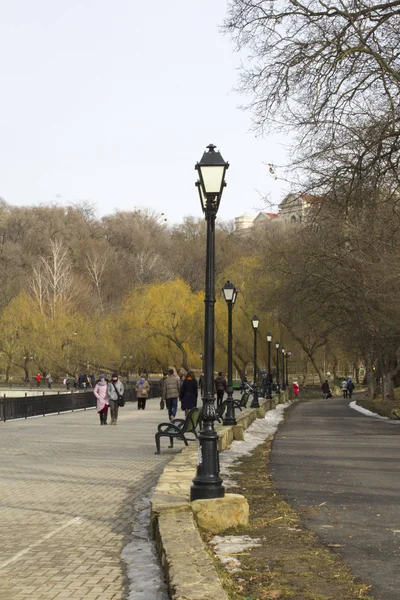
[(38, 379), (296, 389)]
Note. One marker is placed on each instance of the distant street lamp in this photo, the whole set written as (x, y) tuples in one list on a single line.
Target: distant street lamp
[(268, 393), (288, 353), (207, 483), (230, 294), (283, 369), (278, 388), (127, 366), (255, 323)]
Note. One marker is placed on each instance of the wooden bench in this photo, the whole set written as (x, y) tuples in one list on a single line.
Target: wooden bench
[(179, 428)]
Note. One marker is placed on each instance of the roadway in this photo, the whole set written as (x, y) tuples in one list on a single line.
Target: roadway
[(341, 471)]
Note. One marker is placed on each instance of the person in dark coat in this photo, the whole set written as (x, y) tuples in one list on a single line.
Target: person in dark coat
[(220, 388), (188, 393), (350, 388), (201, 383), (326, 389)]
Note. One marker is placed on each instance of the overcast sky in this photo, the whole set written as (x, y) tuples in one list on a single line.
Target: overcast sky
[(115, 101)]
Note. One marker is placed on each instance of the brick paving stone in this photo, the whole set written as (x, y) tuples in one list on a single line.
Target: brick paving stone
[(67, 492)]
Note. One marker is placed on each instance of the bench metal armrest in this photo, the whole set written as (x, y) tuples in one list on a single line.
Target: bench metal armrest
[(169, 428)]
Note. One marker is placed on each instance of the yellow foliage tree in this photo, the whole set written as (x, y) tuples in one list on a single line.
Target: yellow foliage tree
[(250, 280), (67, 342), (163, 322)]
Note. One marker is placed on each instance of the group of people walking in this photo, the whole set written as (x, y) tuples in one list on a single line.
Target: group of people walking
[(108, 394), (186, 390), (174, 388), (347, 388), (49, 380), (82, 382)]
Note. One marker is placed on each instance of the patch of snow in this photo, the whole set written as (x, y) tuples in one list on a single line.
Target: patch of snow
[(146, 578), (228, 547), (255, 435), (369, 413), (365, 411)]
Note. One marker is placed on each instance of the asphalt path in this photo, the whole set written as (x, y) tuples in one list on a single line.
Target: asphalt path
[(341, 471)]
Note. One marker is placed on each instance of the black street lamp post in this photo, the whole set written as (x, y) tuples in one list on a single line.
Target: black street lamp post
[(283, 369), (288, 353), (207, 483), (230, 294), (278, 388), (268, 392), (254, 404)]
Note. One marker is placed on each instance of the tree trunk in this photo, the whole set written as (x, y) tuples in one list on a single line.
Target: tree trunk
[(309, 350), (319, 373), (387, 385), (357, 372), (370, 375), (240, 368), (304, 372), (179, 344), (8, 367), (335, 368)]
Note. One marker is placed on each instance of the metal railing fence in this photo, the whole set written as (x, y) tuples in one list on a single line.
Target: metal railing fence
[(33, 406)]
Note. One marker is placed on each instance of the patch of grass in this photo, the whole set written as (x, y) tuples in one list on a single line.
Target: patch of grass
[(291, 563), (381, 406)]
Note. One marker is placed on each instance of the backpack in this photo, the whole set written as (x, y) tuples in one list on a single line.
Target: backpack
[(143, 389)]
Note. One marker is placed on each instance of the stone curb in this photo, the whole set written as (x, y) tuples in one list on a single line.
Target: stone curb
[(188, 567)]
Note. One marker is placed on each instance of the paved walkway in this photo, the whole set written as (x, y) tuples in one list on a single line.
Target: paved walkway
[(67, 490), (341, 470)]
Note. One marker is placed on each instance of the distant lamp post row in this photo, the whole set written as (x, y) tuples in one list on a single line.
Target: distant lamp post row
[(268, 393), (269, 379)]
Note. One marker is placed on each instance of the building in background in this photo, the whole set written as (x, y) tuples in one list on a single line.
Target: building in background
[(243, 223), (264, 218), (291, 211), (294, 207)]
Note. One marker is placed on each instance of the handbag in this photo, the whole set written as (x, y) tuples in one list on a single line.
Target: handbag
[(121, 401), (162, 405)]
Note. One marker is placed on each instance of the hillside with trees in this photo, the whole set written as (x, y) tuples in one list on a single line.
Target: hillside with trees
[(125, 292)]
